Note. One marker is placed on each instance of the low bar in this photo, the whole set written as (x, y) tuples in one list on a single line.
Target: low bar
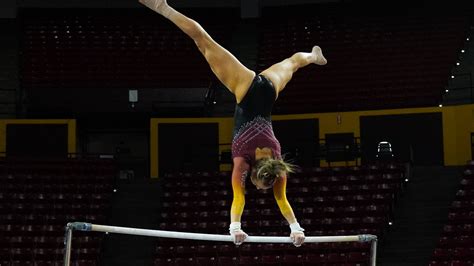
[(81, 226)]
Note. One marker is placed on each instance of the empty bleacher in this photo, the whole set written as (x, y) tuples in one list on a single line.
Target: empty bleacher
[(327, 201), (374, 61), (456, 244), (67, 49), (39, 197)]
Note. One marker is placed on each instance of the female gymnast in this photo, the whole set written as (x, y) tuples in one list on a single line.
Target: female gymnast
[(255, 150)]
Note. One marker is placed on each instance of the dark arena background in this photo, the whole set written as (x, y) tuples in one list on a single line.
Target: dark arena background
[(110, 115)]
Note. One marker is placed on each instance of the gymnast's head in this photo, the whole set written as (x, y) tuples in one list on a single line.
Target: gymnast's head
[(267, 171)]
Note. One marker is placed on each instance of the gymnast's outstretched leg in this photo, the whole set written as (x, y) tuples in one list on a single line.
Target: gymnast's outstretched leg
[(281, 73), (233, 74)]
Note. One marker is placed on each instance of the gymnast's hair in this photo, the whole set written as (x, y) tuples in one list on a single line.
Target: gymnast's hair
[(268, 170)]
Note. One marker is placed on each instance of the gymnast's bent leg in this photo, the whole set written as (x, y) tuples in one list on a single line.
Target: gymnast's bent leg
[(232, 73), (281, 73)]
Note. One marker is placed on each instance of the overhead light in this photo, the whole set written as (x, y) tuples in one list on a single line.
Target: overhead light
[(452, 77), (440, 105), (462, 51), (447, 90), (457, 64)]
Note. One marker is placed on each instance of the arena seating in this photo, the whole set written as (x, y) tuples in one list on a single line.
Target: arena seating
[(456, 244), (375, 61), (39, 197), (67, 49), (327, 201)]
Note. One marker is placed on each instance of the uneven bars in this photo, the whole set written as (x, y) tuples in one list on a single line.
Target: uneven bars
[(81, 226)]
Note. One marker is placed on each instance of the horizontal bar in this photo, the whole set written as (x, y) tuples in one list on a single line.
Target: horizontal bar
[(213, 237)]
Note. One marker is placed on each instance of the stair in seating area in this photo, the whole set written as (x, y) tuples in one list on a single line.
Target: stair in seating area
[(419, 216)]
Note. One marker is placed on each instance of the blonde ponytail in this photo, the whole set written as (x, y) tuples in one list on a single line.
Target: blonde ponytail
[(268, 169)]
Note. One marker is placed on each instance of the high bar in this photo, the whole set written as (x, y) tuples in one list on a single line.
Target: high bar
[(81, 226)]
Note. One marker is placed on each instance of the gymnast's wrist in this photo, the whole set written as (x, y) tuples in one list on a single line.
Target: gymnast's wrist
[(234, 227), (295, 228)]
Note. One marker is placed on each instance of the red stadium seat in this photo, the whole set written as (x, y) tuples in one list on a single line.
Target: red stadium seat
[(84, 263), (19, 254), (289, 259), (462, 263), (211, 261), (227, 251), (442, 254), (185, 261), (315, 259), (185, 251), (358, 257), (271, 260), (249, 260), (48, 263), (223, 260), (464, 253)]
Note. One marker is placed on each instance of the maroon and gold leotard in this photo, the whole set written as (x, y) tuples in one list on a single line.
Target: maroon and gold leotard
[(253, 125), (253, 129)]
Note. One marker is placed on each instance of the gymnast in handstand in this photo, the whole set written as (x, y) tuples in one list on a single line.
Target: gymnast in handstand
[(256, 152)]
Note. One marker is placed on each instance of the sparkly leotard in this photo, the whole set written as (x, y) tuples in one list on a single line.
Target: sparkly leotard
[(253, 126)]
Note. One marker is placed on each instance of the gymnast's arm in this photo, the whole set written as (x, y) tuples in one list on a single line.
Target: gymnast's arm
[(279, 191), (238, 202)]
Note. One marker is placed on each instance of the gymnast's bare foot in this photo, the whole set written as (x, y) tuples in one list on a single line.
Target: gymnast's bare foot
[(160, 6), (319, 58)]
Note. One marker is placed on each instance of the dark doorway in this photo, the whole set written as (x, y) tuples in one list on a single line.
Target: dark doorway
[(27, 140), (299, 140), (129, 148), (188, 147), (340, 147), (415, 138)]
